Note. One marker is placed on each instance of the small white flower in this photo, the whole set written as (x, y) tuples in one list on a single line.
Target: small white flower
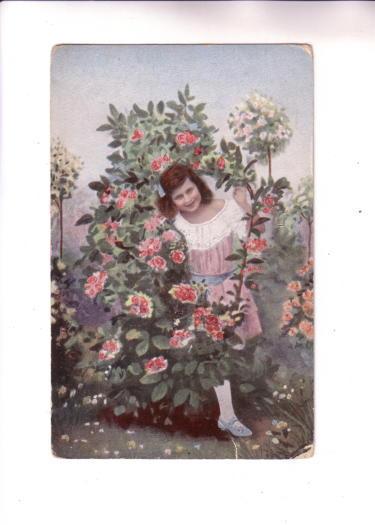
[(289, 396), (72, 392), (87, 424), (269, 433), (116, 452), (275, 441), (282, 396), (276, 393), (285, 387), (101, 429), (274, 422)]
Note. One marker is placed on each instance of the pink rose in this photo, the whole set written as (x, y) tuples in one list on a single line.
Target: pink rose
[(181, 138), (156, 364), (196, 165), (190, 138), (157, 263), (220, 163), (307, 329), (149, 247), (198, 150), (105, 196), (153, 223), (293, 331), (269, 201), (156, 165), (180, 338), (177, 256), (286, 317), (169, 235), (184, 293), (133, 194), (308, 295), (137, 135), (294, 286), (256, 245), (112, 225), (95, 284)]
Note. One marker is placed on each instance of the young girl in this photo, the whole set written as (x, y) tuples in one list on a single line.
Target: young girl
[(209, 226)]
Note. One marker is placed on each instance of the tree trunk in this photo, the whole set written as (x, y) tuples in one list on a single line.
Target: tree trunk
[(269, 162), (309, 240), (61, 226)]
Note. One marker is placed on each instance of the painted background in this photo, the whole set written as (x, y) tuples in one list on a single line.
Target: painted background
[(86, 78)]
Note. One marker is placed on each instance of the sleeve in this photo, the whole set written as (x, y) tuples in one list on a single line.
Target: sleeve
[(236, 219)]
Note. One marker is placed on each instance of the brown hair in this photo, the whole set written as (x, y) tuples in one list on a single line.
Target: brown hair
[(173, 178)]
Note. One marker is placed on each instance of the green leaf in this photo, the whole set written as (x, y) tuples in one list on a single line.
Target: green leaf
[(224, 146), (161, 342), (135, 369), (238, 155), (190, 367), (233, 257), (180, 397), (171, 104), (181, 98), (115, 157), (141, 348), (149, 379), (150, 107), (85, 219), (160, 107), (187, 91), (247, 387), (96, 186), (255, 260), (159, 391), (114, 112), (207, 383), (140, 112), (104, 127), (164, 324), (194, 399), (199, 107), (178, 367), (120, 409)]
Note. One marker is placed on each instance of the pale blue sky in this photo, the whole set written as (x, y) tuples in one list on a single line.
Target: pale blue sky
[(86, 78)]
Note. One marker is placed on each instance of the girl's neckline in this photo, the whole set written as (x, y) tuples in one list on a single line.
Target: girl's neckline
[(210, 220)]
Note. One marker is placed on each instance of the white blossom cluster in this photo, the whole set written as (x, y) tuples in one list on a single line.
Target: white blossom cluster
[(65, 169), (260, 126)]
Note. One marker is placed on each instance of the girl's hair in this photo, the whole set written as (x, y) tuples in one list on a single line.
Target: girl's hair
[(174, 177)]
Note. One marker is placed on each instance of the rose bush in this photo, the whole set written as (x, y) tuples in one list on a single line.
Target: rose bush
[(165, 343)]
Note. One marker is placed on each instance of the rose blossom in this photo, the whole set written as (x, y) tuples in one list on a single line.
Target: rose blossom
[(308, 295), (199, 314), (198, 150), (149, 247), (95, 283), (112, 225), (196, 165), (156, 165), (169, 235), (177, 256), (180, 338), (140, 305), (186, 137), (296, 303), (153, 223), (307, 328), (286, 317), (157, 263), (256, 245), (287, 306), (220, 163), (137, 135), (155, 365), (184, 293), (308, 308), (106, 258), (293, 331), (105, 195), (294, 286), (109, 350)]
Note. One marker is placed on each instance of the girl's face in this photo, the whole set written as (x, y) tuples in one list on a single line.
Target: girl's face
[(187, 197)]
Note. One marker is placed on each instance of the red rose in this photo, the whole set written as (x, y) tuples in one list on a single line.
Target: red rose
[(95, 283), (196, 165), (198, 150), (149, 247), (133, 194), (157, 263), (220, 163), (137, 134), (184, 293), (156, 364), (177, 256), (181, 138), (269, 201), (190, 138)]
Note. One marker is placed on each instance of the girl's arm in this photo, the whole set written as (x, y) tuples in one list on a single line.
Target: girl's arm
[(240, 196)]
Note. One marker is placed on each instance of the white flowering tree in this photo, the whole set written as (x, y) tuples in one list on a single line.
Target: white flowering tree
[(65, 169), (261, 128)]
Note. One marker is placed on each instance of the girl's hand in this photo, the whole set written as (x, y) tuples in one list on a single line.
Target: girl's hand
[(240, 196)]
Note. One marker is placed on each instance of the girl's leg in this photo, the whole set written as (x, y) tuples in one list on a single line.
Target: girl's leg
[(228, 419)]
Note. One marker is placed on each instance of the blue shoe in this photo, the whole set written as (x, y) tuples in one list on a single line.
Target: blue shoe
[(235, 427)]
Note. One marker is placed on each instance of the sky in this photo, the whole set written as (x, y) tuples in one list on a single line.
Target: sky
[(85, 79)]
